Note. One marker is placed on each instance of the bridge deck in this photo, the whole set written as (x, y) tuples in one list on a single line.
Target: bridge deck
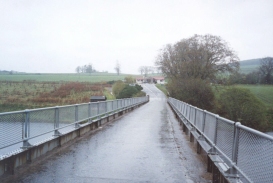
[(146, 145)]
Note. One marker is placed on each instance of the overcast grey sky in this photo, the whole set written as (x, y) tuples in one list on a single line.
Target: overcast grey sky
[(56, 36)]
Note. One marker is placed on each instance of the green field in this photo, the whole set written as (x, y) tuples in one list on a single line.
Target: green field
[(93, 78), (162, 88), (248, 66), (263, 92)]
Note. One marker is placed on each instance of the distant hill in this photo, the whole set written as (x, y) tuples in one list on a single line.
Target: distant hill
[(247, 66)]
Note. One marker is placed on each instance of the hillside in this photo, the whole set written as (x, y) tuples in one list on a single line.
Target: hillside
[(247, 66)]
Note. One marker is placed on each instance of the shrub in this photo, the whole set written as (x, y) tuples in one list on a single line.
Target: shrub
[(196, 92), (241, 105), (127, 92), (118, 87)]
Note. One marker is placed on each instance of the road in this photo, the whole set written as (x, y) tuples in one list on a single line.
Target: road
[(146, 145)]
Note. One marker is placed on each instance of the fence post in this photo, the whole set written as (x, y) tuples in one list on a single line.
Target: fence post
[(98, 110), (76, 116), (213, 150), (56, 122), (232, 172), (89, 113), (112, 106), (26, 132), (204, 119), (106, 109), (235, 142)]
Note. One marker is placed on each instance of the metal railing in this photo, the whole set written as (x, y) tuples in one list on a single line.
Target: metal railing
[(247, 152), (24, 128)]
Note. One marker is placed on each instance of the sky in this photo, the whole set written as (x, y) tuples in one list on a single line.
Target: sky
[(56, 36)]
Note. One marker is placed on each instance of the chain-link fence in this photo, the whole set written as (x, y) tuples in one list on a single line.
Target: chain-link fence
[(30, 126), (247, 152)]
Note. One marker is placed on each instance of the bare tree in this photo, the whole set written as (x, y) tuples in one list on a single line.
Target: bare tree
[(141, 70), (146, 70), (89, 68), (117, 68), (266, 69), (78, 69)]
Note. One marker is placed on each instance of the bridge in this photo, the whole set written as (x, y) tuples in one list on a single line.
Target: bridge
[(131, 140)]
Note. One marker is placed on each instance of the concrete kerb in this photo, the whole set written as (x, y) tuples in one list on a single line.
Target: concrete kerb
[(9, 165)]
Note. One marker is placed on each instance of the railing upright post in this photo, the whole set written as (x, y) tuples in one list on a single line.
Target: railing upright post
[(89, 112), (235, 142), (56, 122), (233, 171), (204, 120), (112, 106), (26, 132), (215, 132), (98, 110), (76, 116), (106, 110), (195, 112)]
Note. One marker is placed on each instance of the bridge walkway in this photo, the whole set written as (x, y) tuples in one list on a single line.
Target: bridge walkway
[(146, 145)]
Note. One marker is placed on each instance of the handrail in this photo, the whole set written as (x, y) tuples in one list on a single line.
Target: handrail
[(249, 152), (19, 127)]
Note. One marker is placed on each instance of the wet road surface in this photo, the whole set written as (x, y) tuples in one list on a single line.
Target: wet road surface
[(146, 145)]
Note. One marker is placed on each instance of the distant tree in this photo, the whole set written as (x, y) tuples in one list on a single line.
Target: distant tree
[(145, 70), (89, 68), (141, 70), (266, 70), (129, 79), (78, 69), (253, 77), (117, 68)]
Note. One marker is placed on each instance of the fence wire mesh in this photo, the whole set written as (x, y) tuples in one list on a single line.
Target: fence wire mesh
[(251, 152), (102, 108), (255, 156), (67, 115), (83, 112), (210, 126), (11, 127), (199, 119), (41, 121), (225, 136)]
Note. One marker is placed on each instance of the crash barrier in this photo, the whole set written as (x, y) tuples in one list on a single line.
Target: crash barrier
[(236, 153), (23, 134)]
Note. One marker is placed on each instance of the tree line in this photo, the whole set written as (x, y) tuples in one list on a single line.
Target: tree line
[(193, 66), (85, 69), (262, 75)]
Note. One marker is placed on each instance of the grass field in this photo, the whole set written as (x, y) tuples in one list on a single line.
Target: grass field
[(247, 66), (248, 69), (93, 78), (162, 88), (20, 95), (263, 92)]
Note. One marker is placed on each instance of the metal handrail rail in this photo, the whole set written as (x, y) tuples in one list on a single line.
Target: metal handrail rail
[(242, 138), (51, 115)]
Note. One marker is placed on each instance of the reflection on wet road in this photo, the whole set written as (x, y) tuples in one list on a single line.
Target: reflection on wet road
[(146, 145)]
